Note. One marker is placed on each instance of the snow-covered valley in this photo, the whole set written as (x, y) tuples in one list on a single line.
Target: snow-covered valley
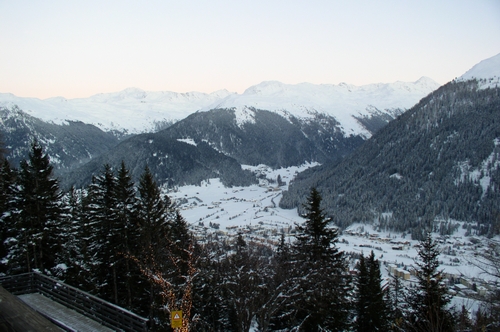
[(216, 212)]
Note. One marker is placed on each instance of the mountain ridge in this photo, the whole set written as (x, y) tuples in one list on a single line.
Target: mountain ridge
[(145, 111)]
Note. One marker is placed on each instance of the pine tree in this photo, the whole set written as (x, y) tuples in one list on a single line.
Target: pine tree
[(126, 238), (7, 225), (208, 294), (362, 297), (167, 258), (3, 150), (315, 239), (320, 272), (278, 312), (38, 214), (243, 280), (395, 303), (179, 234), (463, 322), (371, 308), (428, 301), (86, 234), (153, 213), (102, 219), (181, 251), (71, 260)]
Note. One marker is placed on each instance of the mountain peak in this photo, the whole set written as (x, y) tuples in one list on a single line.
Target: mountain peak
[(425, 80), (345, 102), (265, 88), (487, 69)]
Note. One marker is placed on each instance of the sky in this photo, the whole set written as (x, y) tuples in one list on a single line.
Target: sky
[(77, 49)]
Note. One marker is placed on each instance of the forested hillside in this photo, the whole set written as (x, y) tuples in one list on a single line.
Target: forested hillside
[(440, 159), (70, 144), (171, 161), (267, 137), (215, 143)]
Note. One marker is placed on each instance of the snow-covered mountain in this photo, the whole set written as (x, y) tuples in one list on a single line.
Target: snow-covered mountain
[(134, 111), (346, 103), (131, 110), (487, 72), (437, 161)]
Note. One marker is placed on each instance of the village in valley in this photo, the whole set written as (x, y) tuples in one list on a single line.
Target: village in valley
[(217, 213)]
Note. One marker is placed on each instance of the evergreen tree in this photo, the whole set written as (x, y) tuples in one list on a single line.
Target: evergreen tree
[(126, 237), (463, 322), (3, 150), (243, 285), (71, 259), (210, 303), (102, 219), (79, 248), (179, 234), (320, 273), (315, 240), (362, 297), (395, 304), (167, 256), (153, 213), (38, 215), (6, 180), (371, 309), (7, 195), (428, 301), (183, 259), (278, 312)]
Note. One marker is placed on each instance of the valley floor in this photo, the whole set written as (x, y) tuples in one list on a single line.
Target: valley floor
[(214, 210)]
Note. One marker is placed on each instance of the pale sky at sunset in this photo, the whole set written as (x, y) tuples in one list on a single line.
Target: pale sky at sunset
[(80, 48)]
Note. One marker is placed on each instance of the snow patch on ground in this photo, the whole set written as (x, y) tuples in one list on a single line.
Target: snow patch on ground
[(244, 115), (482, 173), (187, 141)]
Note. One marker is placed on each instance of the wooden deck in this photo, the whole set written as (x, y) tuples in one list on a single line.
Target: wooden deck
[(63, 305), (17, 316), (61, 315)]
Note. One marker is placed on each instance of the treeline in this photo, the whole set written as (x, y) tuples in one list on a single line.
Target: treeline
[(128, 244)]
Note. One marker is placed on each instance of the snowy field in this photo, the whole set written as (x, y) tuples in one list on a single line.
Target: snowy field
[(239, 207), (256, 207), (253, 212)]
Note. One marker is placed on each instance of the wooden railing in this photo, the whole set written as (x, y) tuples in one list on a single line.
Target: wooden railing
[(91, 306)]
